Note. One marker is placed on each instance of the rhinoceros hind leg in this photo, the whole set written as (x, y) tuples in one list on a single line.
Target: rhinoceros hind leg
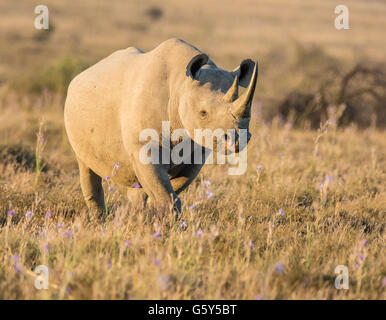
[(92, 190), (137, 197)]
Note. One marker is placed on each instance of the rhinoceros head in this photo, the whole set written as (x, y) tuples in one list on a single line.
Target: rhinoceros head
[(211, 99)]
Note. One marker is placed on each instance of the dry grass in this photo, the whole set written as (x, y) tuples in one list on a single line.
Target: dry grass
[(322, 227), (331, 189)]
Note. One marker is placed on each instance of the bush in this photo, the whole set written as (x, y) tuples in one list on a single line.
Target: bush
[(154, 13), (54, 77), (326, 84)]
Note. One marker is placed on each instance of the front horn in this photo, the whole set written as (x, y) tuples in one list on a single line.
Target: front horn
[(242, 106)]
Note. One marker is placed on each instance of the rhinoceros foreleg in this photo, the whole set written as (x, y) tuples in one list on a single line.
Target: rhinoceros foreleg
[(91, 185), (137, 197), (156, 184), (185, 177)]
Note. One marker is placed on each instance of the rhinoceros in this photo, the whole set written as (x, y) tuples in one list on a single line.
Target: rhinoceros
[(112, 102)]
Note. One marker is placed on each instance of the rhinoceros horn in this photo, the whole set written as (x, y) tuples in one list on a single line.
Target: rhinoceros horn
[(242, 106)]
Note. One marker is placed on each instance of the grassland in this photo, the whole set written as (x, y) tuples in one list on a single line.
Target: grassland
[(333, 200), (311, 199)]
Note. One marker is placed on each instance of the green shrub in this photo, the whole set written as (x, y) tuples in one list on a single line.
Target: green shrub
[(54, 77)]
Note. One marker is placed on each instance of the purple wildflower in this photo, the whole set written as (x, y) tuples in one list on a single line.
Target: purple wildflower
[(258, 297), (157, 235), (59, 226), (281, 212), (384, 281), (17, 268), (259, 167), (137, 186), (199, 233), (11, 213), (207, 183), (364, 243), (279, 267), (362, 257), (42, 139), (107, 178), (251, 244), (111, 189), (183, 225), (43, 234), (282, 155), (156, 262), (46, 247), (117, 166), (68, 234), (109, 265), (209, 194), (127, 243), (192, 207), (48, 214), (15, 257), (28, 214)]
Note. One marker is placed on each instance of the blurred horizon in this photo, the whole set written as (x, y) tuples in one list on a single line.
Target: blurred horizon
[(293, 41), (228, 31)]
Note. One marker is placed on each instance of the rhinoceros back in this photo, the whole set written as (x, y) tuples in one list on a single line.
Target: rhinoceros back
[(92, 110)]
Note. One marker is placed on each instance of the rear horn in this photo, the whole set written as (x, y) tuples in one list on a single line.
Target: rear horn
[(233, 91)]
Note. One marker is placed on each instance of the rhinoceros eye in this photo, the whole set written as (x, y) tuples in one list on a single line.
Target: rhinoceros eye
[(203, 114)]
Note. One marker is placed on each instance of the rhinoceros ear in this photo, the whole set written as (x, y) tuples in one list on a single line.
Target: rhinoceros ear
[(195, 64), (244, 71)]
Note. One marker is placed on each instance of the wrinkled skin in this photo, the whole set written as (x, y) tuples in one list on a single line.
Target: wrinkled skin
[(109, 104)]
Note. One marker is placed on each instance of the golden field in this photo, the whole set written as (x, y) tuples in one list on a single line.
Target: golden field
[(310, 200)]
